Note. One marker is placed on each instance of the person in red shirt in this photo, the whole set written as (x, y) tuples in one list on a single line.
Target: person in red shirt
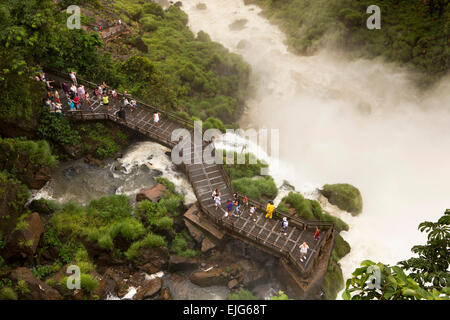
[(317, 234), (245, 201), (76, 100)]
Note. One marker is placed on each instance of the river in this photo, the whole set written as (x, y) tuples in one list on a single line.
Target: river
[(344, 121)]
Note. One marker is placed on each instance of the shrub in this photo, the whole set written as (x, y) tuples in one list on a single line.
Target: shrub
[(310, 210), (242, 295), (22, 287), (256, 188), (345, 196), (180, 247), (43, 271), (333, 281), (281, 296), (8, 293), (150, 241), (245, 169), (57, 130), (111, 207), (88, 282)]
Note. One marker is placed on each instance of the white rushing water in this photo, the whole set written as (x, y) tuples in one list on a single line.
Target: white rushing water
[(141, 163), (343, 121)]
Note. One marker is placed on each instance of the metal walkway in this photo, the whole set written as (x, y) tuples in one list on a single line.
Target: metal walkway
[(205, 178)]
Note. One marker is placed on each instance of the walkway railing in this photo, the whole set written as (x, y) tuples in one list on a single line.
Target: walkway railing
[(169, 114)]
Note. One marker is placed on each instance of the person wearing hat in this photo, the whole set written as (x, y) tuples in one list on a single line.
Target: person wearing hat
[(284, 225)]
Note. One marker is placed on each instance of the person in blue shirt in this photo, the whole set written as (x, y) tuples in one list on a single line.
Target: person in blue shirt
[(229, 206)]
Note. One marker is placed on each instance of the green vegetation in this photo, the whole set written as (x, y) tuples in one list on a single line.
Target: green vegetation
[(13, 196), (245, 177), (242, 295), (427, 278), (101, 141), (57, 130), (333, 280), (180, 246), (281, 296), (250, 167), (101, 221), (413, 33), (345, 196), (150, 241), (43, 271), (256, 188), (310, 210), (22, 287), (171, 200), (182, 71), (8, 293), (18, 155), (115, 226)]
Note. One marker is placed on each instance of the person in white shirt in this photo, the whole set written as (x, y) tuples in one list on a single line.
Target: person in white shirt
[(284, 225), (252, 212), (73, 77), (303, 250), (217, 202), (156, 118)]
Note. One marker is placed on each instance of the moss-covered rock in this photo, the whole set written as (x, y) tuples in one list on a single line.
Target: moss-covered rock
[(345, 196)]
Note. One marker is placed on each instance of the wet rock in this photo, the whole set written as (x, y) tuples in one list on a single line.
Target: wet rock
[(157, 257), (214, 277), (201, 6), (233, 284), (149, 289), (23, 243), (238, 24), (243, 44), (92, 161), (165, 294), (195, 233), (152, 194), (36, 289), (207, 245), (150, 268), (41, 206), (177, 263)]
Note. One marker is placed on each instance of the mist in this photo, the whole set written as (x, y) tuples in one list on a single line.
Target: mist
[(341, 121)]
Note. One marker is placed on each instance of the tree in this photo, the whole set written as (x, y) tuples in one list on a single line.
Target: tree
[(430, 268), (428, 279)]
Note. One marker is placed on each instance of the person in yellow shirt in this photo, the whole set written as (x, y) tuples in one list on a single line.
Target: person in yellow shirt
[(269, 210), (106, 102)]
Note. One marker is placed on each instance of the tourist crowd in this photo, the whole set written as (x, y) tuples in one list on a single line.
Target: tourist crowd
[(77, 96), (234, 208)]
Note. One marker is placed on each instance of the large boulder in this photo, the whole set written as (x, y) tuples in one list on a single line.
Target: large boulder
[(32, 287), (207, 245), (178, 263), (152, 194), (345, 196), (23, 242), (165, 294), (149, 289), (158, 258), (213, 277)]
